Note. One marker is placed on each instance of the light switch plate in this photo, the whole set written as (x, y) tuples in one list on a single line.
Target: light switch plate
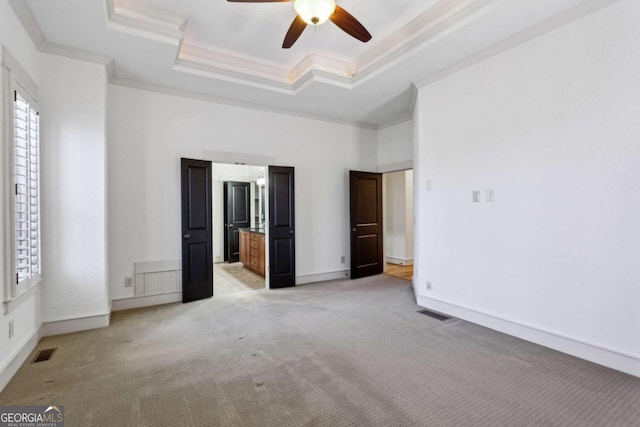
[(476, 196), (490, 196)]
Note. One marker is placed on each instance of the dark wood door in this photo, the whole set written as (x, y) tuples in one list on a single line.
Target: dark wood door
[(197, 255), (237, 215), (366, 224), (282, 241)]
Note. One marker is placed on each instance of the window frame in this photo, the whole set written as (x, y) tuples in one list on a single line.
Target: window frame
[(16, 80)]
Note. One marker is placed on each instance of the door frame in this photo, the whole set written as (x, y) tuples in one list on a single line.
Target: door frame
[(407, 166), (243, 159)]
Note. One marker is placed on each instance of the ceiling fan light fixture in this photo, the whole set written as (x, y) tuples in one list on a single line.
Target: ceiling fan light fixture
[(315, 12)]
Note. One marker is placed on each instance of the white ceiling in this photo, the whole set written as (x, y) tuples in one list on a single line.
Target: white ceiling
[(231, 52)]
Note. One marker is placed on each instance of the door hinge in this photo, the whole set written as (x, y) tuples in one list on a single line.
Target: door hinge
[(17, 281), (16, 189)]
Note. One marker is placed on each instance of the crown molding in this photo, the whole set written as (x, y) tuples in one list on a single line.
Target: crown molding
[(29, 22), (135, 84), (405, 117), (75, 53)]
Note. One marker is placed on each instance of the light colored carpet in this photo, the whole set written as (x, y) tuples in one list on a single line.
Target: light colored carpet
[(345, 353), (232, 278)]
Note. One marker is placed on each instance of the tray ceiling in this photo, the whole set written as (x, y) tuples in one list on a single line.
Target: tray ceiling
[(230, 52)]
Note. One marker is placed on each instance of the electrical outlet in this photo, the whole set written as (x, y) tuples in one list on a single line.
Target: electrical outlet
[(342, 259), (128, 282), (428, 286), (11, 328)]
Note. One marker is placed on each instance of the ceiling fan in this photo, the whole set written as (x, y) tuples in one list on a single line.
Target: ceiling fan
[(316, 12)]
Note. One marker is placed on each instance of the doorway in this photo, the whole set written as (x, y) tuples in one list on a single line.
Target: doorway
[(238, 225), (398, 223), (268, 252)]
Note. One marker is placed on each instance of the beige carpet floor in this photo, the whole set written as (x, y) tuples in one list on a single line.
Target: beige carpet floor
[(344, 353), (232, 278)]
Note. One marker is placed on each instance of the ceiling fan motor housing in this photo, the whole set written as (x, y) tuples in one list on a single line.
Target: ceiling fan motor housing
[(315, 12)]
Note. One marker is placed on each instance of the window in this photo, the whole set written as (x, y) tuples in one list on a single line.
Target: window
[(26, 189), (21, 192)]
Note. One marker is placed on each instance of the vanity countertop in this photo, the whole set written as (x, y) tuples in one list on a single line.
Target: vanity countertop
[(253, 230)]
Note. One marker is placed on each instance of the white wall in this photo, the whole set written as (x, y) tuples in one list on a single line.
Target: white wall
[(398, 217), (73, 134), (395, 147), (26, 312), (552, 127), (149, 132)]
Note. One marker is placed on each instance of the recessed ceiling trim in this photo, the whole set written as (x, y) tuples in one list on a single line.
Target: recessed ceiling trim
[(232, 68), (145, 21), (166, 27), (234, 75), (342, 70)]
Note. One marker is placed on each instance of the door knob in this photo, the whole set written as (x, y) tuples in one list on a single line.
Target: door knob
[(290, 231), (186, 236), (353, 230)]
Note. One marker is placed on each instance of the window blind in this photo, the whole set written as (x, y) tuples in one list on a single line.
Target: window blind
[(26, 175)]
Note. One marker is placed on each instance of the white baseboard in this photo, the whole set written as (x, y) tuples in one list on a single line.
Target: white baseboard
[(322, 277), (399, 261), (592, 352), (19, 357), (145, 301), (67, 326)]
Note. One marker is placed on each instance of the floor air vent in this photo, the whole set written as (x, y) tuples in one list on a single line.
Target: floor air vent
[(438, 316), (44, 355)]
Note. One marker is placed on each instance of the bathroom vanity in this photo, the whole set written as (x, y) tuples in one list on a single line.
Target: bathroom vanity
[(252, 252)]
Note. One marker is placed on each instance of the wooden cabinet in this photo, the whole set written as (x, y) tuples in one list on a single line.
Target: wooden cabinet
[(261, 255), (244, 247), (252, 251)]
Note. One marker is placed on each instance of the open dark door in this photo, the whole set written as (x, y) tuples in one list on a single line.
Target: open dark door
[(366, 224), (197, 258), (282, 247), (237, 215)]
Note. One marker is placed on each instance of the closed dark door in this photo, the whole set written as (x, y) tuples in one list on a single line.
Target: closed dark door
[(237, 215), (197, 258), (282, 241), (366, 224)]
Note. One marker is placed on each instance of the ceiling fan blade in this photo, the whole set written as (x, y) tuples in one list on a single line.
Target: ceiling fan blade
[(350, 25), (258, 1), (296, 28)]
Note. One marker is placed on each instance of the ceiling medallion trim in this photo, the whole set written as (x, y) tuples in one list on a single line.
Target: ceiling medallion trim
[(165, 26)]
